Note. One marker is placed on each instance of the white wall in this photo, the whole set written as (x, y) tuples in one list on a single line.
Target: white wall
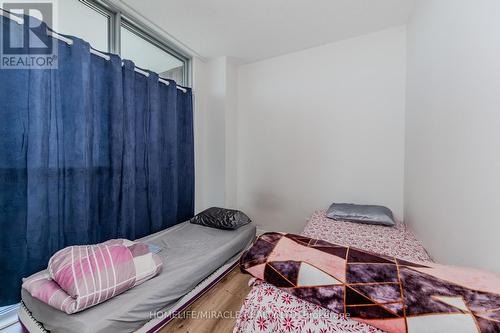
[(453, 130), (321, 125), (215, 88), (231, 133), (209, 125)]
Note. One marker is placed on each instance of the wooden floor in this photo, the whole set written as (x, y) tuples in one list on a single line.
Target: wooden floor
[(225, 298)]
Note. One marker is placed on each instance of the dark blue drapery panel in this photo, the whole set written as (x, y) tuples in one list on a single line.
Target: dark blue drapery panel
[(185, 146), (88, 152)]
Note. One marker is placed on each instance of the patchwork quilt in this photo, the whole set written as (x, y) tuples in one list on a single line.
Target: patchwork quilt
[(79, 277), (388, 293)]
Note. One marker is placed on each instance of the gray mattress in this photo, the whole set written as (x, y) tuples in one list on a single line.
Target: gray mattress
[(190, 253)]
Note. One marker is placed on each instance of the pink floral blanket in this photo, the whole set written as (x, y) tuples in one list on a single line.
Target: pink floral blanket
[(391, 294), (79, 277)]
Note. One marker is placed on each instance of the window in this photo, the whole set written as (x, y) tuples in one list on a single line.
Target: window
[(147, 53), (85, 21), (108, 30)]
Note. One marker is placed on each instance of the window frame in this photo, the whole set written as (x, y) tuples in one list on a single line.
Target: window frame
[(117, 19), (95, 6), (139, 32), (8, 315)]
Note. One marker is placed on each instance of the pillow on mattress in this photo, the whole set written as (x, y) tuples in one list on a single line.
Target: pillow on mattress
[(367, 214), (221, 218), (79, 277)]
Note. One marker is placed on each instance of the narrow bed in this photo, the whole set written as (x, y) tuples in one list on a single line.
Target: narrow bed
[(269, 309), (190, 253)]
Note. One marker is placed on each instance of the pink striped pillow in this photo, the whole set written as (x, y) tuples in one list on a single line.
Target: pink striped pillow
[(80, 277)]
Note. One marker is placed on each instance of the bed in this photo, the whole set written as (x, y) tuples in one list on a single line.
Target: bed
[(269, 309), (194, 258)]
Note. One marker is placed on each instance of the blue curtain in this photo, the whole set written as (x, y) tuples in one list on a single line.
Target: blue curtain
[(88, 152)]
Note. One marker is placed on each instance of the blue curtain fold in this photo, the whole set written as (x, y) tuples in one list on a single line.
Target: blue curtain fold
[(88, 152)]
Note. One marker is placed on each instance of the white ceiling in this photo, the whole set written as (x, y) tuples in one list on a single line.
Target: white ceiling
[(251, 30)]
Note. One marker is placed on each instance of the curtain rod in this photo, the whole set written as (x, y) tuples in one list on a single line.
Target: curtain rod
[(69, 41), (107, 57)]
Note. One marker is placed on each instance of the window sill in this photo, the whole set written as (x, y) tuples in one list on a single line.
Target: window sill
[(8, 317)]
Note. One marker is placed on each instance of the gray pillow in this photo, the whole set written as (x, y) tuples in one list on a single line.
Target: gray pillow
[(361, 214), (221, 218)]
